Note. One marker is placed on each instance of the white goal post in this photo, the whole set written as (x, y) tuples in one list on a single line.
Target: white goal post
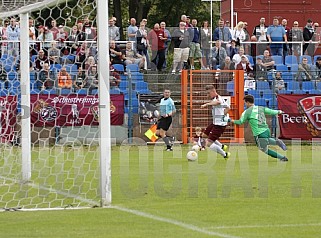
[(22, 9)]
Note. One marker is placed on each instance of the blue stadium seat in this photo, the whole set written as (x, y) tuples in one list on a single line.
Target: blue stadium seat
[(315, 58), (65, 91), (307, 85), (230, 87), (272, 103), (315, 91), (123, 86), (4, 92), (119, 67), (57, 67), (33, 58), (283, 91), (267, 93), (299, 91), (82, 91), (293, 85), (137, 76), (134, 105), (114, 91), (132, 67), (262, 85), (12, 76), (260, 102), (281, 67), (318, 86), (254, 93), (49, 91), (94, 92), (71, 68), (277, 59), (308, 57), (294, 68), (290, 59), (287, 76)]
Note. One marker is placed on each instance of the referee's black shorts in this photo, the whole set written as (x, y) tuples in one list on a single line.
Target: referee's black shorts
[(164, 123)]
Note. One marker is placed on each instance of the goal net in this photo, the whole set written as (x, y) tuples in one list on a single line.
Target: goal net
[(52, 96)]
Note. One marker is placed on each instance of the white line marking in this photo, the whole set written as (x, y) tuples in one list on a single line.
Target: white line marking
[(173, 222), (264, 226)]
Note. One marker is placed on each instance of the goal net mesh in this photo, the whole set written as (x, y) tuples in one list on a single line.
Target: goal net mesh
[(64, 106)]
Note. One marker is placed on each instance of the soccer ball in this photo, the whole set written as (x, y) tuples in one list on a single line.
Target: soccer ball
[(196, 148), (192, 155)]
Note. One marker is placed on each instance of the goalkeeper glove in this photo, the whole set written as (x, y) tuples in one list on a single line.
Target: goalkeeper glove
[(281, 112), (226, 118)]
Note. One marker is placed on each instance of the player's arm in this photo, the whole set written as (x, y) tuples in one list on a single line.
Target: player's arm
[(269, 111), (211, 103), (237, 122)]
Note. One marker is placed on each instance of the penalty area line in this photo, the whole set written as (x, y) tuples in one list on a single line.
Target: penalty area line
[(263, 226), (173, 222)]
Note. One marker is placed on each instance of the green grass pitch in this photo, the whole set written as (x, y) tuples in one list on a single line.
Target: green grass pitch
[(160, 194)]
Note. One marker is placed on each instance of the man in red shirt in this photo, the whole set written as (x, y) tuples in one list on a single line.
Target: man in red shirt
[(156, 40)]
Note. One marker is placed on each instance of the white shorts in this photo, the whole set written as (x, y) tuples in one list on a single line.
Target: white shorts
[(181, 54)]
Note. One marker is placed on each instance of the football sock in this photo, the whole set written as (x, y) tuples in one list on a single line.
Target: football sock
[(218, 149), (274, 154), (167, 142), (218, 143)]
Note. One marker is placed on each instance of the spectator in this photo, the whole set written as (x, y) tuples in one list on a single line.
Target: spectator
[(3, 77), (279, 82), (195, 47), (167, 42), (308, 35), (130, 56), (181, 41), (32, 37), (54, 54), (141, 36), (72, 44), (246, 67), (61, 36), (318, 68), (156, 40), (79, 79), (276, 33), (46, 78), (222, 33), (268, 61), (305, 72), (259, 32), (81, 35), (238, 33), (232, 50), (64, 79), (41, 60), (260, 70), (286, 48), (296, 34), (54, 29), (114, 78), (46, 36), (227, 64), (92, 79), (205, 44), (113, 30), (224, 77), (218, 54), (12, 35), (115, 53), (4, 36), (81, 55), (132, 29), (89, 63), (89, 29), (237, 57), (247, 34)]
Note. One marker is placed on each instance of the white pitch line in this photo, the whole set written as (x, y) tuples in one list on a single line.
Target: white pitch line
[(173, 222), (264, 226)]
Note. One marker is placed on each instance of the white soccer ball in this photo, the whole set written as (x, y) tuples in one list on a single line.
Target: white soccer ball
[(156, 113), (192, 155), (196, 148)]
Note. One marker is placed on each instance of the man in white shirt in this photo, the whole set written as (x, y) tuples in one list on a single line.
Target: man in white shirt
[(216, 129)]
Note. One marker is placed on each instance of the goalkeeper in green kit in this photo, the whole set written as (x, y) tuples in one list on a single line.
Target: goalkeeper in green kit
[(261, 132)]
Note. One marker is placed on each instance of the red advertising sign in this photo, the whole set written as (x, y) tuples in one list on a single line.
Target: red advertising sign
[(302, 117), (8, 116), (73, 110)]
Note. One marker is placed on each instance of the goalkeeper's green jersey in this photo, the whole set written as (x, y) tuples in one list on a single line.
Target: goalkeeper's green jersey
[(256, 117)]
